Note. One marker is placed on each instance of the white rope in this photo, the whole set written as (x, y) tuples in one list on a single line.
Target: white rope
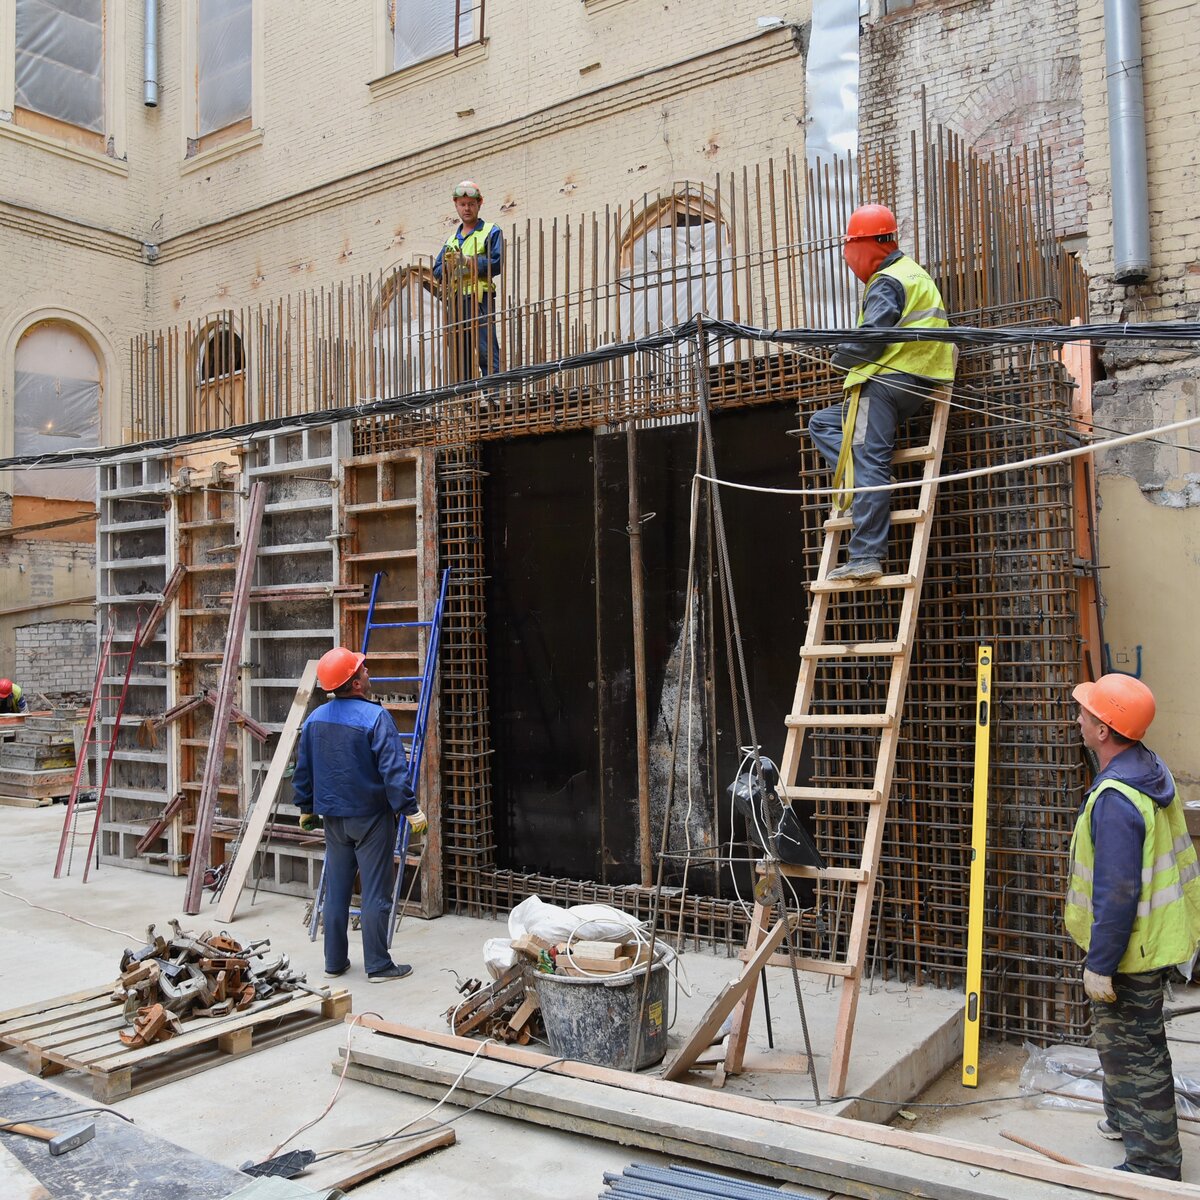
[(976, 472)]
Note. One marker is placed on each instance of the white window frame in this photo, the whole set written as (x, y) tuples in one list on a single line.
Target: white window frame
[(390, 79), (195, 152), (110, 153)]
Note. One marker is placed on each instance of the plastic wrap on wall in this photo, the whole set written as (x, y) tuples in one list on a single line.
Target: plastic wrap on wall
[(831, 86), (223, 64), (56, 406), (676, 272), (425, 29), (407, 340), (60, 60)]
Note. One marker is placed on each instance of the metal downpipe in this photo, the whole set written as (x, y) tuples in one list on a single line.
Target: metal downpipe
[(1127, 140), (150, 55)]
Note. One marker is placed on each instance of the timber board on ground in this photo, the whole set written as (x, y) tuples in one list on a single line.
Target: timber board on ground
[(739, 1132), (80, 1032)]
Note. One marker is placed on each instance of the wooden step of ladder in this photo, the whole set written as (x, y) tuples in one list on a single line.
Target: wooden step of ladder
[(894, 652)]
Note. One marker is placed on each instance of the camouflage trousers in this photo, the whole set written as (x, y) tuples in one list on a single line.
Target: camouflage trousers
[(1139, 1086)]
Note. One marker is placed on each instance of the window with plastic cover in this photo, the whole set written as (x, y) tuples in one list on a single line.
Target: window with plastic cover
[(676, 261), (423, 29), (59, 68), (219, 399), (408, 333), (224, 37), (56, 406)]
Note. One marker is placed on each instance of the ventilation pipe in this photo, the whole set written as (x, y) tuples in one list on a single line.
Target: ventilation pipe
[(1127, 140), (150, 95)]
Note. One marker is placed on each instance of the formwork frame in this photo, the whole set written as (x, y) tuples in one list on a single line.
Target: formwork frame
[(1002, 565)]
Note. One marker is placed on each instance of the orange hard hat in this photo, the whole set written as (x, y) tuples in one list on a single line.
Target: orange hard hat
[(337, 667), (468, 188), (5, 687), (1121, 702), (871, 221)]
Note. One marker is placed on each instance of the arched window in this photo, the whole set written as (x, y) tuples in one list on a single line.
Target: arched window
[(676, 261), (220, 377), (407, 327), (56, 406)]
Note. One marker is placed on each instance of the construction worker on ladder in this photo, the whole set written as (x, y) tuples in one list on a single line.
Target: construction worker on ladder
[(885, 384), (1133, 905)]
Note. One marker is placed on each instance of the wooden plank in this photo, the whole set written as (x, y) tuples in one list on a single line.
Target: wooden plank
[(849, 650), (724, 1004), (264, 804), (58, 1002), (206, 805), (862, 1155), (349, 1170), (851, 795), (824, 586), (841, 721)]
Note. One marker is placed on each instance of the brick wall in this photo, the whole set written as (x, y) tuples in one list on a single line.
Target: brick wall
[(1002, 73), (1170, 48), (56, 658)]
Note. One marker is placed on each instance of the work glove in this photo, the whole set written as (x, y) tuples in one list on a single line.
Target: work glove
[(309, 822), (1098, 987), (417, 822)]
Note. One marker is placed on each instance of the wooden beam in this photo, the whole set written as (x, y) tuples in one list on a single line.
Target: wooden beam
[(264, 805), (206, 806), (702, 1036), (1091, 1181)]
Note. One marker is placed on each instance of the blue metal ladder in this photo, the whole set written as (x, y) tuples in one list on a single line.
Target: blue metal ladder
[(415, 740)]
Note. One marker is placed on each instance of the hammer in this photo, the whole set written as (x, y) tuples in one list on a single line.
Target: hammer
[(59, 1143)]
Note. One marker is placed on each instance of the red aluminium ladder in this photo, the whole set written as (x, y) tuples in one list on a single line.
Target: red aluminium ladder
[(70, 833)]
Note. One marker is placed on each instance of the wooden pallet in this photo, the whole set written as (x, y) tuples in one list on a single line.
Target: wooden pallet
[(80, 1032), (26, 801)]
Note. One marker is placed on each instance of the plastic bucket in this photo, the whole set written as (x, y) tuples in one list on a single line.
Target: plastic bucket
[(593, 1020)]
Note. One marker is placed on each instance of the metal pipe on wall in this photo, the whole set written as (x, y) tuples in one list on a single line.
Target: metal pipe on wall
[(1127, 140), (150, 53)]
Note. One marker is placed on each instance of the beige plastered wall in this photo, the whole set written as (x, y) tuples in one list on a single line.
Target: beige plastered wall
[(1149, 522)]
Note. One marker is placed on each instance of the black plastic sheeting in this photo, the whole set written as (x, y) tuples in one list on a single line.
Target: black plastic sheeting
[(560, 641)]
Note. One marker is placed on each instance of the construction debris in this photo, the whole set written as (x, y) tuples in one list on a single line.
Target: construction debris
[(186, 976)]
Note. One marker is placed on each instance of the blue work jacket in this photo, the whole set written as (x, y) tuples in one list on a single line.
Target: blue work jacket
[(351, 762)]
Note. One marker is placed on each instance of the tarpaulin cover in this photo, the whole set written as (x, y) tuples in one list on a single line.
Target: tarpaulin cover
[(425, 28), (223, 42), (56, 406), (60, 60)]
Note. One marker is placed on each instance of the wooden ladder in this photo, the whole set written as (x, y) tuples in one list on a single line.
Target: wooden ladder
[(738, 996)]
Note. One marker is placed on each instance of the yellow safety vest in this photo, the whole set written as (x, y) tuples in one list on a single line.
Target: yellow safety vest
[(1166, 929), (923, 309), (474, 245), (11, 703)]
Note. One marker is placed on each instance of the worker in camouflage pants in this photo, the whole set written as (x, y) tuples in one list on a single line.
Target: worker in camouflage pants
[(1133, 904), (1138, 1075)]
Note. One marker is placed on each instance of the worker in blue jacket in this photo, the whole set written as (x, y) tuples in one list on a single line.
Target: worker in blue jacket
[(352, 772)]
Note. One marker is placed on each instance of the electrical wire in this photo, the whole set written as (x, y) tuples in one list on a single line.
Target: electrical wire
[(332, 1099), (59, 912), (402, 1133), (973, 473), (1168, 333)]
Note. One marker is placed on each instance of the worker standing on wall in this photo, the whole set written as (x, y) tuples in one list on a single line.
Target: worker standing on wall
[(467, 267), (351, 771), (885, 384), (1133, 903), (11, 700)]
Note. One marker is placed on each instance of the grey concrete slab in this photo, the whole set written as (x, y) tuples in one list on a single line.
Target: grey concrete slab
[(57, 936)]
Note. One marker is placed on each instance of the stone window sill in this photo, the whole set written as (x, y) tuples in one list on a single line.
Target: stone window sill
[(206, 158), (80, 154), (423, 72)]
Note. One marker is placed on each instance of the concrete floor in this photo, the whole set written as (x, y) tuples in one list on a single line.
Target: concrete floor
[(57, 936)]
